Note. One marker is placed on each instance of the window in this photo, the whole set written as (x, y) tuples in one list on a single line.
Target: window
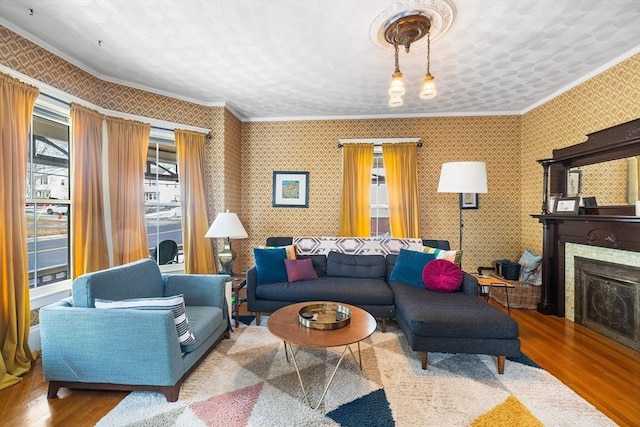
[(162, 194), (379, 206), (47, 198)]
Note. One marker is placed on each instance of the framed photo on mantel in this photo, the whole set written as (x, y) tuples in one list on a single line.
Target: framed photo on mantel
[(566, 205)]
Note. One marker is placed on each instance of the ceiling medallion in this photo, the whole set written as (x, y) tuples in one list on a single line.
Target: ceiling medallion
[(419, 18), (406, 28)]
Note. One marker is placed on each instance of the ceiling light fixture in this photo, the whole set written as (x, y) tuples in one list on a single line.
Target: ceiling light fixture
[(428, 83), (396, 89), (404, 29)]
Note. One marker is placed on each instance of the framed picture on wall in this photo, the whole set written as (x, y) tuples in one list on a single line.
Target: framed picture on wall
[(468, 200), (290, 189), (574, 182)]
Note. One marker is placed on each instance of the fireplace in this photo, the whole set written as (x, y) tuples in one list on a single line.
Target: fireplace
[(607, 299)]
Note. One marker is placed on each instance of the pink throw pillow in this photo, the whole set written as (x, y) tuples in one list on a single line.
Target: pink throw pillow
[(300, 269), (441, 275)]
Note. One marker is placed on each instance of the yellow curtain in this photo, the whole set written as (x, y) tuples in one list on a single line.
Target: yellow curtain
[(401, 168), (128, 144), (16, 106), (198, 250), (355, 217), (88, 234)]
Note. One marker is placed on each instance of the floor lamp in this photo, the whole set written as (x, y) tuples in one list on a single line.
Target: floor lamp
[(463, 177)]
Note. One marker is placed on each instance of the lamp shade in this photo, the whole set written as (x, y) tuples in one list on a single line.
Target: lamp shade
[(463, 177), (228, 225)]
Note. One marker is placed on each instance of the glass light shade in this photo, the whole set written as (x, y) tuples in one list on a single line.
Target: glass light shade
[(397, 85), (395, 101), (428, 87)]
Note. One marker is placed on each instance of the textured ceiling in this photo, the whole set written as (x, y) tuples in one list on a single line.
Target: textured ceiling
[(279, 59)]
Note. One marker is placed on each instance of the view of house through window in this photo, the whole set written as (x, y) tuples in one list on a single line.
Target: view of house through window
[(47, 198), (379, 205), (162, 201)]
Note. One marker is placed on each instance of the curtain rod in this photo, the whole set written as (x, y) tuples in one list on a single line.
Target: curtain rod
[(379, 141)]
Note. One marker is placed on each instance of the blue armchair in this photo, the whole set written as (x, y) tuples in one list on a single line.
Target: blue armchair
[(130, 349)]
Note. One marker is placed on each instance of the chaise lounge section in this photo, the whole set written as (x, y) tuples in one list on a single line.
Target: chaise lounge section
[(456, 322)]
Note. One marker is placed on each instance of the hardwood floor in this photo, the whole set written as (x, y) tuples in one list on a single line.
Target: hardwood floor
[(603, 372)]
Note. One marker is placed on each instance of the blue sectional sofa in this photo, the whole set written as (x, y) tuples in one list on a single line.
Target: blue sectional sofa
[(457, 322), (131, 349)]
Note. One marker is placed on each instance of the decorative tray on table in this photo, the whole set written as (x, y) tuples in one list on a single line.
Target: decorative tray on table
[(324, 316)]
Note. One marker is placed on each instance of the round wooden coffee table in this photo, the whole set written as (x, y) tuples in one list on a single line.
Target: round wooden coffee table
[(284, 324)]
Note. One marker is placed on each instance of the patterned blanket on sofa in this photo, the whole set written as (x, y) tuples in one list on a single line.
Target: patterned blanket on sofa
[(353, 245)]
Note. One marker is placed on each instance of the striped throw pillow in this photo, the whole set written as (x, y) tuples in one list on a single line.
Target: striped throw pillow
[(453, 256), (174, 303), (289, 250)]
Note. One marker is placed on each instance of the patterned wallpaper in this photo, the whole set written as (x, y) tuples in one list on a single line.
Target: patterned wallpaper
[(241, 157), (607, 181), (490, 232), (28, 58), (610, 98)]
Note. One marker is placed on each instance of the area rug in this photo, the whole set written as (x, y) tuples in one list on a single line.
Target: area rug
[(246, 381)]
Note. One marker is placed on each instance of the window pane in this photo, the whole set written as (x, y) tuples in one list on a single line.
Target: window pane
[(379, 204), (162, 201), (47, 196)]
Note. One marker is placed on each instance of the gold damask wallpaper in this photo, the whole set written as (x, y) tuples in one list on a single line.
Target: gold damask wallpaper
[(610, 98), (490, 232), (241, 156)]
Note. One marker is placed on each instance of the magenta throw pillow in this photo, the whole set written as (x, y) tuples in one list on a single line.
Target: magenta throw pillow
[(441, 275), (300, 269)]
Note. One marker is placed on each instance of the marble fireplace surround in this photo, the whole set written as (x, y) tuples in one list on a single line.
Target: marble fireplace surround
[(572, 250)]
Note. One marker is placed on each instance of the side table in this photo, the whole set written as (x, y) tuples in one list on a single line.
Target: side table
[(237, 283), (493, 282)]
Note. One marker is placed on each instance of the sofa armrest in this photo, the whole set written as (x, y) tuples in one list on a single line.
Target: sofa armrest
[(198, 289), (109, 346), (252, 283), (469, 285)]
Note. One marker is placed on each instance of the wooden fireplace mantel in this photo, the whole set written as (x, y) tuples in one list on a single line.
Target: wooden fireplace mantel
[(613, 227), (606, 231)]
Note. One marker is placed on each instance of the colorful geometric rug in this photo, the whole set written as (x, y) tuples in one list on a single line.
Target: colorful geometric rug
[(246, 381)]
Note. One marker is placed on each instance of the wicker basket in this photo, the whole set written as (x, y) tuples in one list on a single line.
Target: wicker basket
[(521, 296)]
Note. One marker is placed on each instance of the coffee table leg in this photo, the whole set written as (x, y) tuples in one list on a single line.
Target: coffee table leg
[(304, 392), (358, 359)]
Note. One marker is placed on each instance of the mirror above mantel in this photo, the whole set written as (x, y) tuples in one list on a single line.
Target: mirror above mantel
[(608, 170), (611, 183)]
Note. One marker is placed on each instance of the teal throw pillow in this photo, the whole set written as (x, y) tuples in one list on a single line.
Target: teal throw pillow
[(270, 265), (409, 266)]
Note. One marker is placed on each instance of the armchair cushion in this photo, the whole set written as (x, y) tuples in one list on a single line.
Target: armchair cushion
[(174, 303), (140, 279)]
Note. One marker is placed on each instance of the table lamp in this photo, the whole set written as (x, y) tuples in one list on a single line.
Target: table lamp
[(228, 226), (463, 177)]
